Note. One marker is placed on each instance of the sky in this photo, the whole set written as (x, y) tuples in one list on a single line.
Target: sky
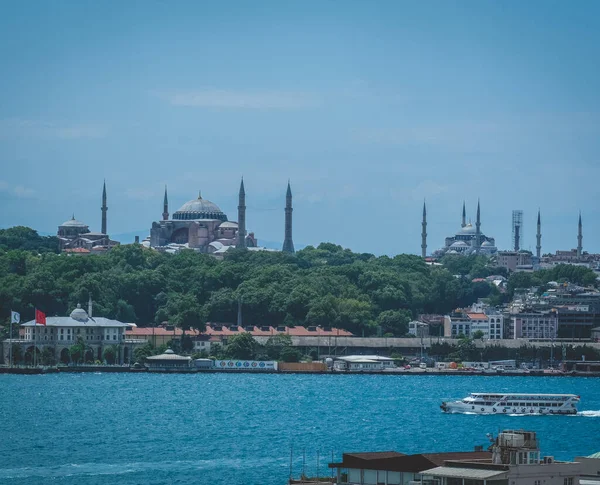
[(368, 108)]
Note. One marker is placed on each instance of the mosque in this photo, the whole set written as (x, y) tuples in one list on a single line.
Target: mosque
[(467, 240), (201, 225), (75, 237)]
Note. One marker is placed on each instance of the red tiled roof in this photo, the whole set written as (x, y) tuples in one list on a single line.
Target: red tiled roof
[(159, 331), (77, 250), (477, 316), (226, 331), (298, 331)]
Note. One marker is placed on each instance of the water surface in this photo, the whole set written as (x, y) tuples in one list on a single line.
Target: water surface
[(238, 429)]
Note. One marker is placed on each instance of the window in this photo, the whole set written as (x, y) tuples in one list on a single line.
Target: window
[(568, 481)]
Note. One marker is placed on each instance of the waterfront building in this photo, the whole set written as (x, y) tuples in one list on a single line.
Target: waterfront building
[(61, 333), (516, 460), (393, 468), (168, 361), (363, 363), (468, 240), (75, 237)]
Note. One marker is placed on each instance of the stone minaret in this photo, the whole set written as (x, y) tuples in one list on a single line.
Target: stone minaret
[(579, 238), (241, 242), (478, 230), (288, 243), (538, 247), (464, 216), (165, 213), (104, 209), (424, 232), (90, 306)]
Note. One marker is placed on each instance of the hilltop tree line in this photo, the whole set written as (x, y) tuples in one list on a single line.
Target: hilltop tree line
[(326, 285)]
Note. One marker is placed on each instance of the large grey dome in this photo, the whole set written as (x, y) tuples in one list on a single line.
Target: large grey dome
[(199, 209), (73, 223)]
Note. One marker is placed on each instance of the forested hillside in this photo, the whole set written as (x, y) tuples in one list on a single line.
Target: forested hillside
[(327, 285)]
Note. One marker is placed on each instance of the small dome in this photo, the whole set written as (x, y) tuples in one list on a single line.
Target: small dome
[(73, 223), (486, 244), (459, 244), (79, 314), (169, 351), (199, 209), (229, 224)]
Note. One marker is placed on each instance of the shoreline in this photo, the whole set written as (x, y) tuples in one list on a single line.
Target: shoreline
[(403, 372)]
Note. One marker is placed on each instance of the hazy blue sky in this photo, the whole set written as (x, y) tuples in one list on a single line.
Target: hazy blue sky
[(368, 107)]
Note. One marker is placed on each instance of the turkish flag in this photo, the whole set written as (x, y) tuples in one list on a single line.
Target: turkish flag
[(40, 317)]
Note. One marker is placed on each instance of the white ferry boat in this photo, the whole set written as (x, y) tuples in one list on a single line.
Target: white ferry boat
[(488, 403)]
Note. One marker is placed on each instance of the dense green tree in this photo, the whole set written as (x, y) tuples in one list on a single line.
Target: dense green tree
[(110, 354), (394, 322), (327, 285), (241, 346)]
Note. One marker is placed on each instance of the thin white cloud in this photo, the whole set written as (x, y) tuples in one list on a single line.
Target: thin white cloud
[(222, 98), (17, 190), (19, 127)]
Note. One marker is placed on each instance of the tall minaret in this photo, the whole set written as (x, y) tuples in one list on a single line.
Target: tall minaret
[(90, 306), (538, 247), (241, 242), (165, 207), (288, 243), (424, 233), (464, 216), (579, 238), (104, 208), (478, 230)]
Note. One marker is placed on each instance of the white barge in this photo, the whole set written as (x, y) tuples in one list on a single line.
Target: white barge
[(488, 403)]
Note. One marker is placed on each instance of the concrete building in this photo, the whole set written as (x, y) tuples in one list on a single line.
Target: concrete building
[(534, 324), (393, 468), (477, 318), (515, 260), (515, 460), (363, 363)]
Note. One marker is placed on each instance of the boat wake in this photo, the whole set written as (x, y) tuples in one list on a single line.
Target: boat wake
[(589, 414)]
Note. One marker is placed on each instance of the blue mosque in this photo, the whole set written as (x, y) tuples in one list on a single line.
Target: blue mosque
[(468, 239)]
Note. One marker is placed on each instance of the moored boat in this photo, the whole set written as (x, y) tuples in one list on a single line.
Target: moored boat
[(513, 403)]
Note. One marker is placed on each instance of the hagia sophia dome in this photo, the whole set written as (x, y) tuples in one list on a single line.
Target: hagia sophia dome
[(199, 209)]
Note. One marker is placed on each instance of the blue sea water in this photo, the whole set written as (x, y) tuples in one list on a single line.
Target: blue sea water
[(239, 428)]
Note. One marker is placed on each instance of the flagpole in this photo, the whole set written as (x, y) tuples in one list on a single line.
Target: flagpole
[(10, 358), (34, 329)]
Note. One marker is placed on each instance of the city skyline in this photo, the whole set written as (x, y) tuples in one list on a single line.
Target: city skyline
[(367, 110)]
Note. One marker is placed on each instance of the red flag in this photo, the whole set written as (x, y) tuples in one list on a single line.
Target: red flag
[(40, 317)]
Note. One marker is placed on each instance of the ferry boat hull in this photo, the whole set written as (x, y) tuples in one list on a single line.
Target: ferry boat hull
[(522, 404)]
